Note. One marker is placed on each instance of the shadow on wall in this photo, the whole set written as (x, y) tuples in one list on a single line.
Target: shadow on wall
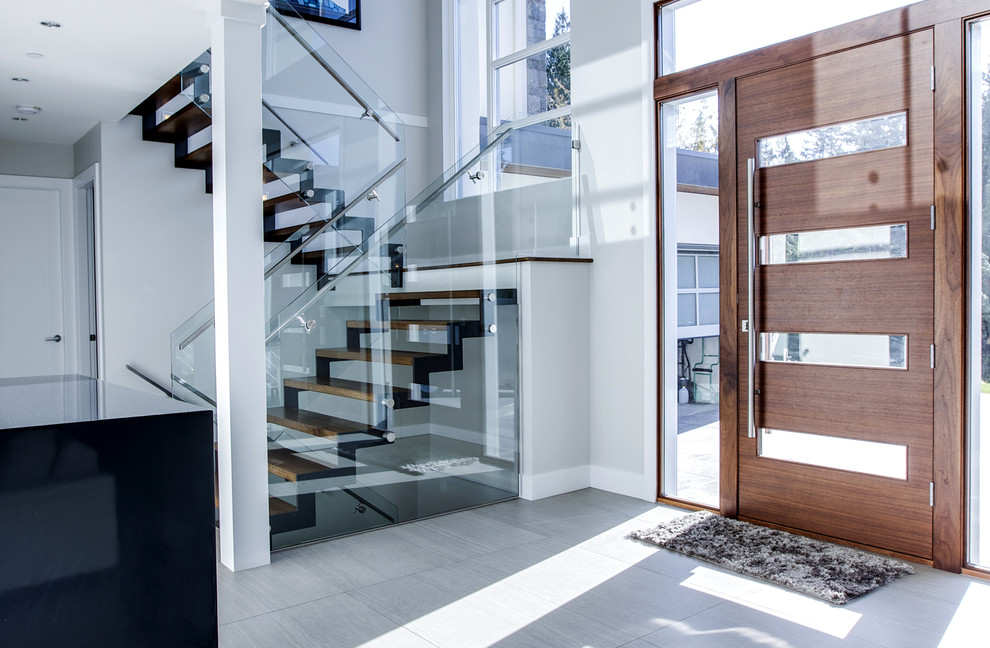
[(591, 200)]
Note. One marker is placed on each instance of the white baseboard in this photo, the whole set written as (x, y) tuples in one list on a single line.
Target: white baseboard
[(534, 487), (623, 483)]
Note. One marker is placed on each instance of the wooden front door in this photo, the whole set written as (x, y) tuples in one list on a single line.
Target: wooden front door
[(842, 321)]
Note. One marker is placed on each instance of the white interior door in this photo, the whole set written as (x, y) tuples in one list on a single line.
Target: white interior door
[(31, 292)]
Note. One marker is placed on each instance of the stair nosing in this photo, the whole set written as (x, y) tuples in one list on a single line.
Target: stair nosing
[(401, 325), (332, 427), (396, 356)]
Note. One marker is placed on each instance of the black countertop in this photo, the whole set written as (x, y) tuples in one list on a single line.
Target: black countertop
[(55, 400)]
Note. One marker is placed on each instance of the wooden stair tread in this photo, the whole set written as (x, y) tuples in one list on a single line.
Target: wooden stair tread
[(317, 256), (201, 158), (399, 325), (396, 357), (292, 200), (284, 203), (334, 386), (350, 389), (437, 294), (283, 233), (277, 506), (186, 121), (292, 466), (314, 423), (169, 90)]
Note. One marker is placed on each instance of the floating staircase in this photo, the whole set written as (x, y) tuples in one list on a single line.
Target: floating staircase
[(289, 186), (289, 182), (367, 361), (299, 414)]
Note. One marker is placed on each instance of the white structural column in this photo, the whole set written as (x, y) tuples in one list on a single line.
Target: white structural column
[(238, 274)]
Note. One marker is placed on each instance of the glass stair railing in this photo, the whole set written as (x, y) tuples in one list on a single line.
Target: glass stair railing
[(333, 170), (392, 351), (397, 400)]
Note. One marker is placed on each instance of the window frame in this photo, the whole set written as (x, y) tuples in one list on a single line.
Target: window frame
[(494, 65), (698, 330)]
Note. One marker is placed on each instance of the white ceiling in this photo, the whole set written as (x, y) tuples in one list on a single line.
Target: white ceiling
[(104, 60)]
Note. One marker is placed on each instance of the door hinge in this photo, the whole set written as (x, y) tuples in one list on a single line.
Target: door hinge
[(576, 145), (933, 217), (933, 356), (745, 326), (931, 493), (933, 78)]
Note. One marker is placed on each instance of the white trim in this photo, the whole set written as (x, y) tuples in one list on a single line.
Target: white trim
[(448, 106), (624, 482), (649, 487), (538, 118), (92, 176), (542, 46), (535, 487), (490, 52)]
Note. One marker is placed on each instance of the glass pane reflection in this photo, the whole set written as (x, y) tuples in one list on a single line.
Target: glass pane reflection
[(872, 134), (869, 457), (685, 271), (850, 244), (844, 349), (686, 311)]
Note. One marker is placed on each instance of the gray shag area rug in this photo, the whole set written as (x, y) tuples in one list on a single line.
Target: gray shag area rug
[(830, 572)]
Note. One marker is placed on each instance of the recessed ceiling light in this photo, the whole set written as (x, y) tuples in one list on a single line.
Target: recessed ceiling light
[(51, 23), (20, 119), (35, 55), (28, 110), (19, 79)]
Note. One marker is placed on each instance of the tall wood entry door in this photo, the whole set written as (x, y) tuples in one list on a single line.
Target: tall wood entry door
[(843, 281)]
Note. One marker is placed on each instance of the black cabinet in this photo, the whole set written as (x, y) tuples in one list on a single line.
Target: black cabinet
[(106, 517)]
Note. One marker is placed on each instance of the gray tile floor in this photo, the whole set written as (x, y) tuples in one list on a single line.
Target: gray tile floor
[(559, 572)]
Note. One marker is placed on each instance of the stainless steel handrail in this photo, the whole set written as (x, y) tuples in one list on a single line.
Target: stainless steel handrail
[(195, 334), (464, 167), (193, 390), (750, 314), (326, 66), (388, 173), (148, 380), (302, 139)]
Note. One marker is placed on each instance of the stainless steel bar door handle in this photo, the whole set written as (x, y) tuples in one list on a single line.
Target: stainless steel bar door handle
[(54, 338), (750, 302)]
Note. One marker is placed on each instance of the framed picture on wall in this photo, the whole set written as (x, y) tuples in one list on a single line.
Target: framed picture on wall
[(343, 13)]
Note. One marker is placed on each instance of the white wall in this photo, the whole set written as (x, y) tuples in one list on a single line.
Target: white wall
[(611, 82), (155, 237), (397, 53), (697, 218), (86, 151), (554, 367), (35, 159)]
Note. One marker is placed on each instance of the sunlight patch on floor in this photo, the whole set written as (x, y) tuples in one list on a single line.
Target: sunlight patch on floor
[(498, 627), (771, 599), (969, 621)]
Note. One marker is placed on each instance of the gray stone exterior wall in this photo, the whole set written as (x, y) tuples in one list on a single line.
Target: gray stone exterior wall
[(536, 66)]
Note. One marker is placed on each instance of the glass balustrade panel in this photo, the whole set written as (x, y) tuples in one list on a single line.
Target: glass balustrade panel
[(418, 373), (194, 359)]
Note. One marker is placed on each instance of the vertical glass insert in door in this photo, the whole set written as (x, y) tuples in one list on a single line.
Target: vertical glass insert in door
[(690, 300)]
